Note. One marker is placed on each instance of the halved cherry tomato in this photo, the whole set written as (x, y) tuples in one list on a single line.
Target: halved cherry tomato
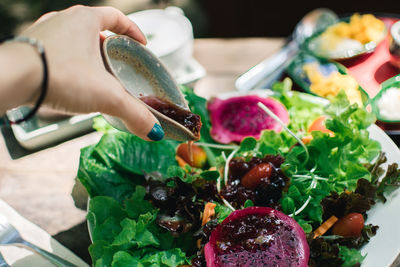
[(349, 225), (199, 155), (319, 125), (253, 177)]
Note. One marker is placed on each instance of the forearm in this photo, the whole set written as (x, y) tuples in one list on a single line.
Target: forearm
[(20, 75), (77, 81)]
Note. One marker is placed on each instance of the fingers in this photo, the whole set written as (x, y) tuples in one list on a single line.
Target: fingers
[(114, 20), (140, 121), (136, 117)]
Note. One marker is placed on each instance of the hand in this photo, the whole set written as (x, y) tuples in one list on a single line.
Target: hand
[(78, 80)]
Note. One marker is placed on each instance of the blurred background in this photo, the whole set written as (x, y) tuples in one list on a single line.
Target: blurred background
[(210, 18)]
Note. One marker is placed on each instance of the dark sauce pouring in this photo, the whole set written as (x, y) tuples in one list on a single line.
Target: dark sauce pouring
[(189, 120)]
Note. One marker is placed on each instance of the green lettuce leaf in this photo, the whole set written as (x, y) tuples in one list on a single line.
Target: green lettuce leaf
[(104, 216), (390, 181), (116, 164), (302, 108), (248, 144), (350, 256), (135, 205), (100, 180), (127, 233), (101, 125), (130, 153), (272, 143), (221, 211), (169, 258)]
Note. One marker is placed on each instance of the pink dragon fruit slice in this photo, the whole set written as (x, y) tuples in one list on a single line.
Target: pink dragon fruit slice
[(257, 236), (235, 118)]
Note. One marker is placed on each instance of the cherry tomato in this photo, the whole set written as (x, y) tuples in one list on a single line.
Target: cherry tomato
[(199, 156), (349, 225), (319, 125), (253, 177)]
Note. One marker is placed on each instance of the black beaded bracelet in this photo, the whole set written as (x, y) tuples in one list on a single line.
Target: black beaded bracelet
[(38, 45)]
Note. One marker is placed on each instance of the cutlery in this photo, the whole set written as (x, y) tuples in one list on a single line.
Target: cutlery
[(271, 68), (3, 262), (10, 236)]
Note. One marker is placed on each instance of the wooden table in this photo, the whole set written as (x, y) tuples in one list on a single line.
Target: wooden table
[(39, 185), (226, 59)]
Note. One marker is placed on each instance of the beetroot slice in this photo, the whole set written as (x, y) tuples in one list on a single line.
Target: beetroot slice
[(235, 118), (257, 236)]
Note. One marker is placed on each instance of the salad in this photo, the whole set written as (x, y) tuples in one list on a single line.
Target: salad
[(307, 185)]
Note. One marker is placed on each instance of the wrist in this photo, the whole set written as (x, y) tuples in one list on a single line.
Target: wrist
[(22, 73)]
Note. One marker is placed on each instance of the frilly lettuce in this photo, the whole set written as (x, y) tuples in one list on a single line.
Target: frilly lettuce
[(127, 235)]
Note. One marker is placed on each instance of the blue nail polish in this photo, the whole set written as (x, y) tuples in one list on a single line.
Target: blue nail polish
[(156, 133)]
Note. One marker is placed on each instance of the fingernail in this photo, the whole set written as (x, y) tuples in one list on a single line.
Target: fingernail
[(156, 133)]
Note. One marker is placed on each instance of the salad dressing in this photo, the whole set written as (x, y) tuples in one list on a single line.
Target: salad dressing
[(190, 152), (184, 117)]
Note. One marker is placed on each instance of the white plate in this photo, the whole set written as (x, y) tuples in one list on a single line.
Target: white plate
[(384, 248)]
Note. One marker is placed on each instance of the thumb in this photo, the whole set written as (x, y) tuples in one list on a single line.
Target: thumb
[(134, 114)]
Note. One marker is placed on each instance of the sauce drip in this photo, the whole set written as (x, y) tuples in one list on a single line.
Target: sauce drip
[(184, 117), (190, 152)]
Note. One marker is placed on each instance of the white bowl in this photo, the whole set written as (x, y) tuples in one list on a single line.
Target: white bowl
[(169, 34)]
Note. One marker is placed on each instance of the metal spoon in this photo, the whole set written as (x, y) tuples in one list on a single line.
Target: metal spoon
[(269, 70), (143, 74), (10, 236)]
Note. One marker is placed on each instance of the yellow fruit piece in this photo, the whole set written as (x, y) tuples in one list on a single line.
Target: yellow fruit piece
[(332, 84), (363, 28)]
